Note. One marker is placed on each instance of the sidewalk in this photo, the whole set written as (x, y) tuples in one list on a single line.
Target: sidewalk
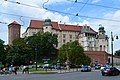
[(68, 71)]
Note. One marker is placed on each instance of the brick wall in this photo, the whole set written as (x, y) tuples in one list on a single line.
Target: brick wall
[(98, 56)]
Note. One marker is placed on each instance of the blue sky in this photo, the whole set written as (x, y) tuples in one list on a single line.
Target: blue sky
[(64, 12)]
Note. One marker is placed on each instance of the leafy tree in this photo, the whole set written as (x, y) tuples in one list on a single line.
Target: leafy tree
[(117, 53), (19, 53), (2, 53), (43, 44), (75, 52)]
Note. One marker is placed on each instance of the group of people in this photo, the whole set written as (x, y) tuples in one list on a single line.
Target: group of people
[(13, 69), (9, 70)]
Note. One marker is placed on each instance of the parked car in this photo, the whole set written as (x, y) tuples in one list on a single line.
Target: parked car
[(110, 71), (85, 69), (46, 66), (98, 66)]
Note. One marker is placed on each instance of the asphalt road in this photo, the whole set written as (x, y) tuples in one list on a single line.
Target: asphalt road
[(94, 75)]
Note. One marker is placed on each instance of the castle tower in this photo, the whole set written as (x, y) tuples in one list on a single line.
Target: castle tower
[(87, 38), (13, 31), (47, 25), (102, 40)]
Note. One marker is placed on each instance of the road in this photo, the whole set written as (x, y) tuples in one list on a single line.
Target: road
[(94, 75)]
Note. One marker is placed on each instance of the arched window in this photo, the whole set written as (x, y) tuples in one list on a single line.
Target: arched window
[(104, 47), (100, 47)]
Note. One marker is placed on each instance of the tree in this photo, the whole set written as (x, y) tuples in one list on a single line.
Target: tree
[(19, 52), (2, 53), (117, 53), (43, 44), (75, 52)]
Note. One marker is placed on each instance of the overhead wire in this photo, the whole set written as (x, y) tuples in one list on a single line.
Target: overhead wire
[(2, 3), (3, 22), (17, 15), (22, 4), (80, 9), (82, 15), (63, 13), (70, 7), (22, 21), (43, 5), (110, 7)]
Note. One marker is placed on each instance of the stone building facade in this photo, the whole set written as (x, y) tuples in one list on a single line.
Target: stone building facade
[(95, 44), (87, 37)]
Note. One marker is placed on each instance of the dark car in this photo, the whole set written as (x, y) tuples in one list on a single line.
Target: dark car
[(85, 69), (110, 71), (98, 67)]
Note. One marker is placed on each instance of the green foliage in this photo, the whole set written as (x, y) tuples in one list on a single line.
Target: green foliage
[(2, 52), (19, 53), (75, 52), (117, 53), (43, 44)]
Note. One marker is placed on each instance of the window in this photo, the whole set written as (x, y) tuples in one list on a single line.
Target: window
[(76, 36), (64, 40), (100, 47), (70, 36), (104, 48), (70, 40), (64, 35), (33, 33)]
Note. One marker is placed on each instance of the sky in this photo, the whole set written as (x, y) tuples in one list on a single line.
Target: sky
[(90, 12)]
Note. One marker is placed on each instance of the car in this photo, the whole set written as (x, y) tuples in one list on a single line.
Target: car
[(85, 69), (46, 65), (98, 67), (110, 71)]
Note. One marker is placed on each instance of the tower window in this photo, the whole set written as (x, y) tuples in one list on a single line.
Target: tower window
[(100, 47)]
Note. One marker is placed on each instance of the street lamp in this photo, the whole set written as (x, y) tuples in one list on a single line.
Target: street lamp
[(112, 39), (36, 57)]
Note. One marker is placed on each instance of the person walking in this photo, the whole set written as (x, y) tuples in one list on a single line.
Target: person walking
[(15, 69)]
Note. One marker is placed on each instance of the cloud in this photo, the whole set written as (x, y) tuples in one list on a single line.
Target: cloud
[(110, 26), (96, 1), (36, 13), (31, 11)]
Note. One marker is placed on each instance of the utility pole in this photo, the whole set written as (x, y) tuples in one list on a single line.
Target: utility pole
[(112, 39), (36, 57)]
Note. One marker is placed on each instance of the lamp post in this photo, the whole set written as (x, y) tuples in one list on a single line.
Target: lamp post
[(36, 57), (112, 39)]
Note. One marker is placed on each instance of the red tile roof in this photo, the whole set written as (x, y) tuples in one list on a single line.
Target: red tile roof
[(14, 23), (36, 24), (70, 27), (55, 25)]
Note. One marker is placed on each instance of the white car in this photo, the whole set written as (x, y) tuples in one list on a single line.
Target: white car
[(45, 65)]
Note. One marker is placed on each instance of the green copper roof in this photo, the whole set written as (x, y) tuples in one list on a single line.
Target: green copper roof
[(101, 29), (47, 20)]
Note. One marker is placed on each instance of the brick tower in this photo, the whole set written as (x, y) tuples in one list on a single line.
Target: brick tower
[(13, 31)]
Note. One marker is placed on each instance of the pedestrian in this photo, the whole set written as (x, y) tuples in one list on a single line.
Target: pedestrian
[(11, 69), (15, 69), (23, 69)]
